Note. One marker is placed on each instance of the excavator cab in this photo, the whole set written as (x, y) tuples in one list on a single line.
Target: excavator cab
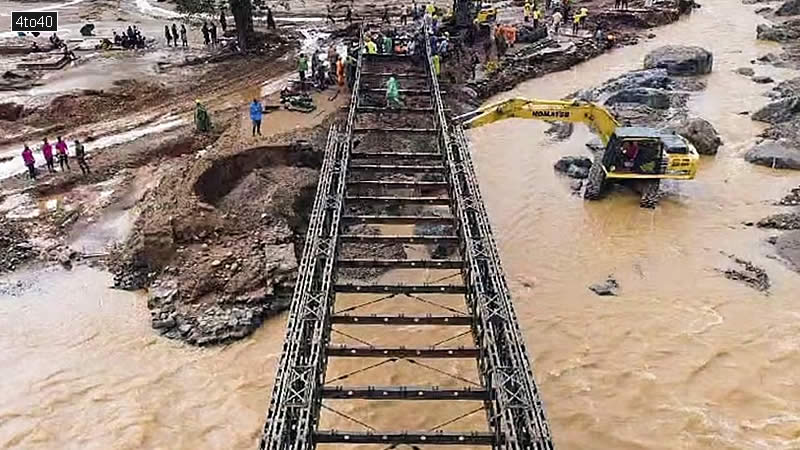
[(638, 152)]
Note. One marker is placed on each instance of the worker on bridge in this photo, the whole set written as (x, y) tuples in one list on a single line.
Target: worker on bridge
[(393, 93), (370, 47)]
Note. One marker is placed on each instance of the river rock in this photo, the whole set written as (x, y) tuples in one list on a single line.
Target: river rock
[(746, 71), (789, 8), (654, 98), (782, 221), (577, 172), (648, 78), (606, 288), (778, 111), (788, 247), (787, 31), (680, 60), (700, 133), (762, 79), (563, 164), (10, 111), (770, 58), (596, 145), (774, 154)]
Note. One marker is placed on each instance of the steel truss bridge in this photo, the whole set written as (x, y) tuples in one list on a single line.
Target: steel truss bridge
[(385, 188)]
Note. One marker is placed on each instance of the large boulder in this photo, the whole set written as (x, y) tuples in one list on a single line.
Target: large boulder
[(784, 32), (774, 154), (680, 60), (778, 111), (654, 98), (789, 8), (700, 133), (652, 78), (788, 247)]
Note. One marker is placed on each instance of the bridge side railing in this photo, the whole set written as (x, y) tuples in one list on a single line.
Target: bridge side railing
[(295, 404)]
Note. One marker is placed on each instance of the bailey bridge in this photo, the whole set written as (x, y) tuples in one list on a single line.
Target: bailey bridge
[(399, 244)]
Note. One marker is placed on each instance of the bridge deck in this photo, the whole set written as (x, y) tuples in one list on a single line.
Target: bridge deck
[(399, 244)]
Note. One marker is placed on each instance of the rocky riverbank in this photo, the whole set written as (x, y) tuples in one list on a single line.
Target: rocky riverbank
[(545, 56)]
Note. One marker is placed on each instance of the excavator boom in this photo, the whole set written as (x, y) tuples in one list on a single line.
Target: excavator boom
[(594, 116)]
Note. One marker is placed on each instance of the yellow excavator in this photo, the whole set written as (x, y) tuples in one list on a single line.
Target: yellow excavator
[(631, 153)]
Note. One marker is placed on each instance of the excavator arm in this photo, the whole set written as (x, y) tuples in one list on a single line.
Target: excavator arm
[(594, 116)]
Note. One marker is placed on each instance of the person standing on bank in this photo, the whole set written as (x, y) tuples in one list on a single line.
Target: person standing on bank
[(80, 156), (256, 111), (63, 157), (47, 152), (30, 161)]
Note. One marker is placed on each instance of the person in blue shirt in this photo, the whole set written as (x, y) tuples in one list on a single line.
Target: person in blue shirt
[(255, 115)]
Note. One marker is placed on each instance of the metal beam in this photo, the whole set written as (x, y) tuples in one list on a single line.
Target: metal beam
[(394, 199), (397, 168), (406, 437), (400, 220), (402, 263), (396, 75), (400, 288), (402, 91), (403, 393), (396, 239), (344, 351), (393, 130), (396, 155), (400, 320), (403, 109), (399, 184)]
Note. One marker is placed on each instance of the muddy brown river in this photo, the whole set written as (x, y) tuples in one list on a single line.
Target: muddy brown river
[(682, 359)]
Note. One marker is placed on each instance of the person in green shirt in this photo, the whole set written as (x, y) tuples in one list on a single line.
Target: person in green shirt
[(202, 120), (302, 68), (387, 44), (393, 93)]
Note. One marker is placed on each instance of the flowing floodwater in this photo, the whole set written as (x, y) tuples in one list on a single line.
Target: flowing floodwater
[(683, 358)]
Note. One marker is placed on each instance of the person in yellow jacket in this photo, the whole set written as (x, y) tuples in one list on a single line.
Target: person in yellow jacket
[(537, 16), (526, 11), (576, 21), (437, 65), (370, 47), (430, 9)]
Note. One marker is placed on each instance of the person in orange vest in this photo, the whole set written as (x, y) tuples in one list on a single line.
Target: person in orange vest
[(340, 72), (510, 32)]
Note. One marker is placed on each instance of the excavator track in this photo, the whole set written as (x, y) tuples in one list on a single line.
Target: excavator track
[(595, 184), (651, 193)]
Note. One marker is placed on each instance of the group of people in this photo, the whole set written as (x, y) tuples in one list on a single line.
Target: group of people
[(210, 34), (61, 152), (130, 39), (174, 35)]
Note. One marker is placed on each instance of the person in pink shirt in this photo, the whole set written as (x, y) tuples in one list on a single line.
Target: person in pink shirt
[(63, 159), (30, 161), (47, 151)]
